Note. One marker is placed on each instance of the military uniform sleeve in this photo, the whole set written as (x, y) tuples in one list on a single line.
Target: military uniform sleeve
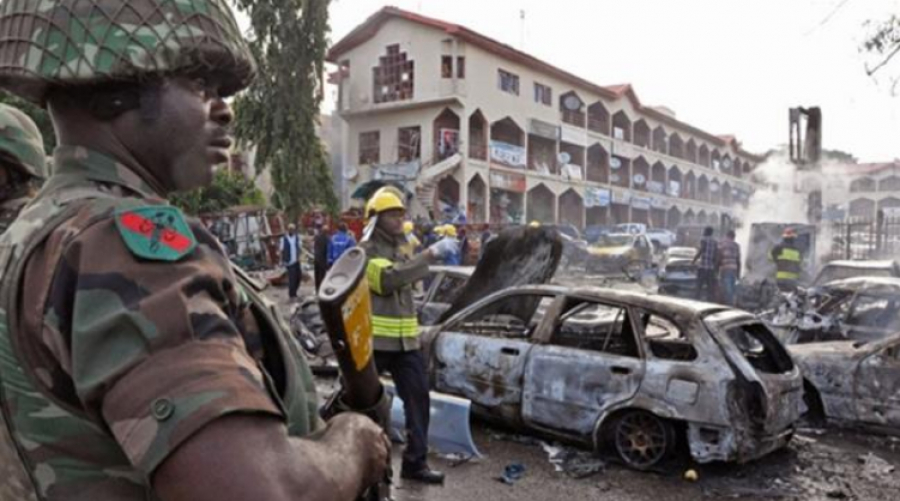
[(387, 277), (156, 347)]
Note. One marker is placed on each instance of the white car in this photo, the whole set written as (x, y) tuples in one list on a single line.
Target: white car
[(661, 237)]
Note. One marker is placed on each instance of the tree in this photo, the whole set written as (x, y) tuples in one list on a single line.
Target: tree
[(38, 114), (279, 113), (228, 189), (882, 43)]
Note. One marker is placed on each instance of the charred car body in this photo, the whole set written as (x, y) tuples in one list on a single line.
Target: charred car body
[(633, 371), (853, 382)]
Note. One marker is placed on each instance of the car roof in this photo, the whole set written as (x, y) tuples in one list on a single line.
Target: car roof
[(890, 285), (646, 300), (863, 264)]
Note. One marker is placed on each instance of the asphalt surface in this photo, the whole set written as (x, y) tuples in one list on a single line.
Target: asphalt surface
[(817, 465)]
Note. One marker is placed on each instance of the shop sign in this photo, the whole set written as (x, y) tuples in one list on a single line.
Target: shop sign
[(508, 154), (655, 187), (674, 189), (508, 182), (596, 197), (642, 203), (544, 129), (660, 203), (574, 136), (621, 197)]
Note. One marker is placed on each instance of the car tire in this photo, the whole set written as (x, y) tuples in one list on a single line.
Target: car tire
[(642, 440)]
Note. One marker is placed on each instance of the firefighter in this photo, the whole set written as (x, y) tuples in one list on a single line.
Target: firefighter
[(412, 244), (788, 260), (391, 277)]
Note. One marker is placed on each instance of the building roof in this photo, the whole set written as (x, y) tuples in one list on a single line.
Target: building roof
[(370, 27)]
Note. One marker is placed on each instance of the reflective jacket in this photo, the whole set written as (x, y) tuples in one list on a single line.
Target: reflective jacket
[(391, 277), (788, 261), (340, 243)]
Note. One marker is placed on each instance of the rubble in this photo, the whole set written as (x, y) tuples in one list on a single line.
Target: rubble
[(573, 462)]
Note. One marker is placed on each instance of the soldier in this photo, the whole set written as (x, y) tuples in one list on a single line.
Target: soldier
[(137, 364), (22, 162)]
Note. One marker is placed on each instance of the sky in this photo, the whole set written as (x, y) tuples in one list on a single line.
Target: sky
[(726, 66)]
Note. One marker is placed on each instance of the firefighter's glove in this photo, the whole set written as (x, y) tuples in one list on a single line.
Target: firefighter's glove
[(444, 248)]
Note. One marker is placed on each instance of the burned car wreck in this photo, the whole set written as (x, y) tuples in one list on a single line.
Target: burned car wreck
[(852, 382), (855, 309), (624, 371)]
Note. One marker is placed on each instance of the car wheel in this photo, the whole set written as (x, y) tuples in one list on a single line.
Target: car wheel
[(643, 440)]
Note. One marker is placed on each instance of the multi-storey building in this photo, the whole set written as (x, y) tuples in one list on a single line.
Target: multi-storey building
[(872, 187), (472, 125)]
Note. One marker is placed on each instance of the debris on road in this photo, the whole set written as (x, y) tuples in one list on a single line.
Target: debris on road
[(573, 462), (512, 473), (874, 466)]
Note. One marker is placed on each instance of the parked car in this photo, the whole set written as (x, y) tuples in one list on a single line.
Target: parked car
[(839, 270), (678, 273), (593, 233), (633, 228), (635, 372), (852, 382), (620, 253), (661, 238)]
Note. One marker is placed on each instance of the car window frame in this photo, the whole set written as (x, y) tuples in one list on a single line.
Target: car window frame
[(629, 312), (452, 325)]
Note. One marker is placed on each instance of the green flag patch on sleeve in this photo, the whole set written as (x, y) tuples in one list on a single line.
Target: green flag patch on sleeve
[(157, 233)]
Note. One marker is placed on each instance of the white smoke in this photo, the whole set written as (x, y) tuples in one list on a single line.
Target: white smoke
[(784, 196)]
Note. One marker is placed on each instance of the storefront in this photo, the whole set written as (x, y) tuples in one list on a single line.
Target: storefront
[(507, 197), (596, 203)]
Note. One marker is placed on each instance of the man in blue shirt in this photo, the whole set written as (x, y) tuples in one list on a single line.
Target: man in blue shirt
[(341, 242)]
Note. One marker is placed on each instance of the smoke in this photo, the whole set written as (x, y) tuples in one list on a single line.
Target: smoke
[(784, 197)]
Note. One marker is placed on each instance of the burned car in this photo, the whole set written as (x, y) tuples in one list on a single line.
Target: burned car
[(633, 372), (840, 270), (855, 309), (853, 382), (678, 273)]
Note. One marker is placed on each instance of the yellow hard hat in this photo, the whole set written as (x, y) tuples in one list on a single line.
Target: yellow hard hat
[(450, 230), (535, 224), (408, 227), (440, 230), (385, 199)]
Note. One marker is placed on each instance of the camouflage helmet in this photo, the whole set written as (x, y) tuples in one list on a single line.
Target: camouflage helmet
[(21, 142), (84, 42)]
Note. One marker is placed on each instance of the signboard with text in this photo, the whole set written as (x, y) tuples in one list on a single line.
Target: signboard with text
[(509, 155)]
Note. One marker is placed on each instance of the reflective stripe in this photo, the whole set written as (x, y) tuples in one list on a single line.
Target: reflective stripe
[(395, 327), (789, 255), (787, 275), (373, 272)]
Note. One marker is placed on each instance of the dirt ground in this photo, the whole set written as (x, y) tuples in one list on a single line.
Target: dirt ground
[(817, 465)]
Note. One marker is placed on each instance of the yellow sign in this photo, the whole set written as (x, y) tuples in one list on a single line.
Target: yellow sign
[(357, 316)]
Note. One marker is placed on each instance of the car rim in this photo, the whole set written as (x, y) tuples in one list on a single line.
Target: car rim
[(641, 440)]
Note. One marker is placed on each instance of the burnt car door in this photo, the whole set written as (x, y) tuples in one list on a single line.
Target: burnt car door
[(482, 352), (877, 388), (591, 361)]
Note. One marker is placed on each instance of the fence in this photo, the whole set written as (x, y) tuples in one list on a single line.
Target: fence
[(861, 238)]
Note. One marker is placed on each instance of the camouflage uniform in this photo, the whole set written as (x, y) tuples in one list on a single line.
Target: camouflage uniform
[(22, 154), (109, 358)]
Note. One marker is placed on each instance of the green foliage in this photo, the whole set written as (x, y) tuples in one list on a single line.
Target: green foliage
[(38, 114), (228, 189), (279, 113)]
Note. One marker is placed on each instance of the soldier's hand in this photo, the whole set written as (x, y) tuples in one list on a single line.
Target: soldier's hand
[(366, 443)]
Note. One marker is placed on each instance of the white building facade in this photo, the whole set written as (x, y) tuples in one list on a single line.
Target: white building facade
[(474, 129)]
